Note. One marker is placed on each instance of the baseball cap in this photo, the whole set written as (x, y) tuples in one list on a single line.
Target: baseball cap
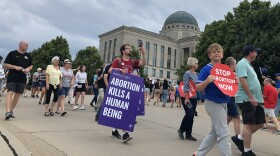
[(39, 69), (277, 74), (67, 61), (248, 48)]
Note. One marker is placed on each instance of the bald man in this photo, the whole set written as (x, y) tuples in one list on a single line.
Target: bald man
[(19, 63)]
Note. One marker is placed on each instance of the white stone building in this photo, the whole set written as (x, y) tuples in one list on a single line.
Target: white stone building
[(165, 51)]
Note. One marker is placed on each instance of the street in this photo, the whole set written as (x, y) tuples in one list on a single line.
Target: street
[(77, 134)]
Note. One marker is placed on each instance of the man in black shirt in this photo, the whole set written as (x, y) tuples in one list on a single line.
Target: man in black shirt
[(19, 63)]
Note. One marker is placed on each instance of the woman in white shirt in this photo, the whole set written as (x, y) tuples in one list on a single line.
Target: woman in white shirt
[(82, 84)]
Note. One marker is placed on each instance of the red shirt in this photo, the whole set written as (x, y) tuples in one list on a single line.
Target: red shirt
[(271, 96), (129, 65)]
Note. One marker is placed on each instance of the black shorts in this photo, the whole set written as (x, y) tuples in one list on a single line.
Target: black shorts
[(81, 87), (252, 115), (16, 87), (232, 108)]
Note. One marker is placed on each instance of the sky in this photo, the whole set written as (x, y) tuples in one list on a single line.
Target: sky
[(81, 21)]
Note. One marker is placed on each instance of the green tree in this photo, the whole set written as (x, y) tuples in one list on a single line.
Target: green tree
[(44, 54), (255, 23), (91, 59)]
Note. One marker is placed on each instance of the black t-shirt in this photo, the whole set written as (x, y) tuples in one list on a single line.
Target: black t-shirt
[(100, 82), (147, 84), (157, 85), (165, 86), (106, 70), (23, 60)]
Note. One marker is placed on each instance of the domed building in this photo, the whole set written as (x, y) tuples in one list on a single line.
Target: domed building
[(165, 51)]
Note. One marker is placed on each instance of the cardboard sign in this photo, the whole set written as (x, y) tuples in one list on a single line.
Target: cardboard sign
[(121, 101), (192, 89), (225, 79)]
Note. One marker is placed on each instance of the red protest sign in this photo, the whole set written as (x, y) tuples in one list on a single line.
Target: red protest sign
[(225, 79), (192, 89)]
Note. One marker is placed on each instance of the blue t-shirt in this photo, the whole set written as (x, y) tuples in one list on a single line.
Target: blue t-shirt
[(278, 86), (212, 92)]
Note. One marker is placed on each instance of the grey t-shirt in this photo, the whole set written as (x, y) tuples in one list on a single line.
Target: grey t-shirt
[(66, 76)]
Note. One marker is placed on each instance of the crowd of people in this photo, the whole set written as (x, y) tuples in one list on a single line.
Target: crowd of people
[(62, 82)]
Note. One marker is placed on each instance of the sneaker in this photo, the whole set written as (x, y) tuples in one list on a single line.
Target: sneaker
[(8, 115), (25, 95), (181, 135), (191, 138), (265, 129), (75, 108), (44, 102), (82, 108), (126, 137), (40, 101), (97, 118), (239, 143), (277, 132), (249, 153), (37, 96), (13, 116), (116, 134), (33, 96)]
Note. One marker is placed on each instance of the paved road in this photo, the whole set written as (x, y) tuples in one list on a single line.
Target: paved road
[(77, 134)]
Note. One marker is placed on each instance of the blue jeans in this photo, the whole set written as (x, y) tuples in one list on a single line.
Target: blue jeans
[(164, 96), (277, 108), (95, 92)]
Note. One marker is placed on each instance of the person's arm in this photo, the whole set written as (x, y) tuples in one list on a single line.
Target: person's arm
[(245, 86), (201, 86), (10, 66), (28, 69), (72, 81), (47, 81), (143, 60)]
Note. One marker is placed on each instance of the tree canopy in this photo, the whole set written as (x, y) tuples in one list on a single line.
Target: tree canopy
[(256, 23), (43, 55), (91, 58)]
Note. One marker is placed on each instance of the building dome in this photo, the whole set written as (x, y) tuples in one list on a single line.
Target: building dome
[(181, 17)]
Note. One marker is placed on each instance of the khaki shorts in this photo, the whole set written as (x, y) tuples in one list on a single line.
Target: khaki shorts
[(157, 91), (269, 112)]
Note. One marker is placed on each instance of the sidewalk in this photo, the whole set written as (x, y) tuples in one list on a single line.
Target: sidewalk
[(10, 145)]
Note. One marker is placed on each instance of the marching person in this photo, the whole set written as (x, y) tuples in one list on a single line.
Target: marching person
[(127, 65), (215, 105), (249, 98), (82, 85), (19, 63), (67, 82), (189, 104), (233, 114), (53, 83)]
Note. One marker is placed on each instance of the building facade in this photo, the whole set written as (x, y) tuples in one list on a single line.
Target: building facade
[(165, 51)]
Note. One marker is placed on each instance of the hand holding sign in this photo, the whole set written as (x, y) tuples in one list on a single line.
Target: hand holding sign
[(224, 79)]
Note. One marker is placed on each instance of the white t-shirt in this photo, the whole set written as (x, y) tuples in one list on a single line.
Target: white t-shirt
[(81, 77), (2, 72)]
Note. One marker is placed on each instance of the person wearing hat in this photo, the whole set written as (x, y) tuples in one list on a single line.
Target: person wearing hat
[(249, 98), (19, 63), (277, 108), (36, 83), (67, 81)]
